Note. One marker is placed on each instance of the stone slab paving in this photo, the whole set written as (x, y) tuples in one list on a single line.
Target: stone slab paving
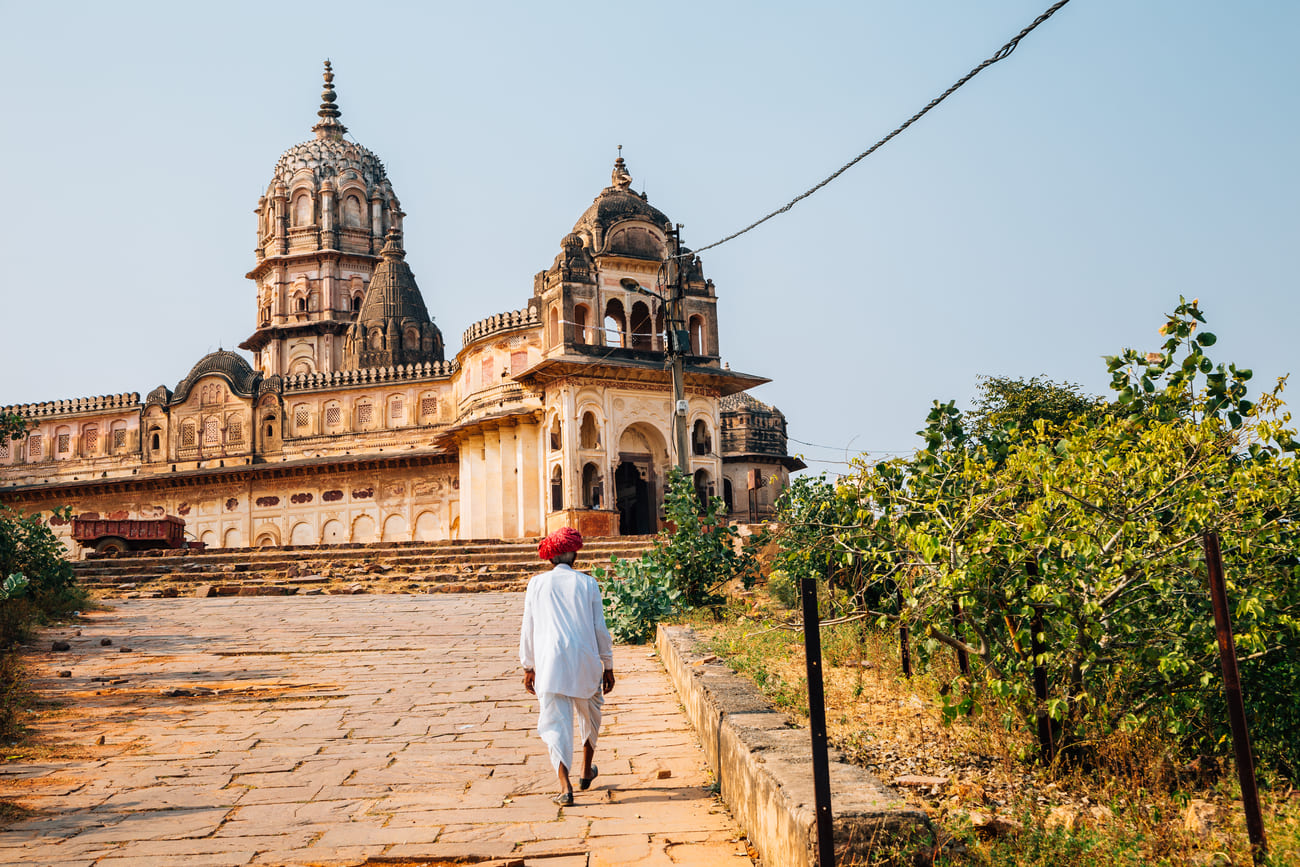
[(336, 729)]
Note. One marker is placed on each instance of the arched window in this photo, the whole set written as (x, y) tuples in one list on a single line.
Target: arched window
[(90, 440), (697, 335), (640, 325), (352, 212), (211, 431), (728, 496), (591, 486), (302, 210), (356, 303), (589, 433), (661, 328), (701, 440), (557, 490), (615, 324), (703, 488), (155, 439), (580, 323), (300, 304), (555, 435), (411, 338), (187, 434), (269, 421), (553, 329)]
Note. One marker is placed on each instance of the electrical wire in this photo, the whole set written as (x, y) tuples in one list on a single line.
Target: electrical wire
[(1002, 54)]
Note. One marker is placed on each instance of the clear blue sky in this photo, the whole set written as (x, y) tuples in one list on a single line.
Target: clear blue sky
[(1049, 213)]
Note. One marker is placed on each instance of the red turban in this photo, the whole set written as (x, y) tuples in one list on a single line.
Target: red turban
[(562, 541)]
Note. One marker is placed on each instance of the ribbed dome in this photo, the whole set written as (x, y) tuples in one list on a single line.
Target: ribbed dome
[(228, 365), (330, 158), (617, 203), (329, 155)]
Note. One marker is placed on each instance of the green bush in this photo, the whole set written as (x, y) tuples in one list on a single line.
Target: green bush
[(687, 569), (637, 599)]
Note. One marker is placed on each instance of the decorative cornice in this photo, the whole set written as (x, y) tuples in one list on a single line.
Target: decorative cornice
[(341, 378), (511, 321), (102, 403)]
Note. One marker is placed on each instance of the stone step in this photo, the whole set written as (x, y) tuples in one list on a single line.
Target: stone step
[(404, 567)]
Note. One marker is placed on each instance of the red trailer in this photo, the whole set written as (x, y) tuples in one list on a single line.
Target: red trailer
[(130, 535)]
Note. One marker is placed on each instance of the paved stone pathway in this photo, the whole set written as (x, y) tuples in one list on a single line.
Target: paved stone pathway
[(343, 729)]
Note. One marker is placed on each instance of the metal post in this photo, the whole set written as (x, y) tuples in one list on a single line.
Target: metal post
[(1046, 738), (1232, 691), (904, 638), (676, 326), (812, 640)]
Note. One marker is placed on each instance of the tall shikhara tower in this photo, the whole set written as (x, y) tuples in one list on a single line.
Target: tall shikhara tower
[(328, 228)]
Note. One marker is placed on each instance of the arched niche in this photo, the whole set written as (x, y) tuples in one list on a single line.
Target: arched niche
[(589, 432), (363, 529), (395, 529)]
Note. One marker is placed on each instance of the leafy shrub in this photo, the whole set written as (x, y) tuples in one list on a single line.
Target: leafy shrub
[(687, 569), (636, 600)]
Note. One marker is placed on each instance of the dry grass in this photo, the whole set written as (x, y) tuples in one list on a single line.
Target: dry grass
[(994, 807)]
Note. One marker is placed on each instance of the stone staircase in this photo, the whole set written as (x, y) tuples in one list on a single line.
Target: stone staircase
[(380, 567)]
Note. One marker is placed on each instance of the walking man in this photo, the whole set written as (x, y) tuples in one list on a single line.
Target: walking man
[(568, 657)]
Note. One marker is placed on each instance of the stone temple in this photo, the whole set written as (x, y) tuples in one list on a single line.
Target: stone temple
[(352, 424)]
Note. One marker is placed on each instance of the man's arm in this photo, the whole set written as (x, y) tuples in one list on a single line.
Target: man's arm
[(526, 635), (604, 643)]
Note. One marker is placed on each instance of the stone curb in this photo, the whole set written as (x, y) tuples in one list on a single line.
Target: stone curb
[(764, 767)]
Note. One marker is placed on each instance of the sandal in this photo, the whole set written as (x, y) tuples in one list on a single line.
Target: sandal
[(564, 799), (584, 783)]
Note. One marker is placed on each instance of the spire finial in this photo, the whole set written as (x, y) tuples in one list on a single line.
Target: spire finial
[(621, 178), (329, 126)]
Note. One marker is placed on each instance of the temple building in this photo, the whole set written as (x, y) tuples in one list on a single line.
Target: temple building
[(350, 424)]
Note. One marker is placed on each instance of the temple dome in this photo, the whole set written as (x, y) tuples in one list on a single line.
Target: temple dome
[(616, 204), (330, 158), (230, 366)]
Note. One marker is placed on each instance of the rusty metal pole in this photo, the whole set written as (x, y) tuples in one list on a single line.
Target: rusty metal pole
[(1232, 691), (904, 648), (1046, 738), (812, 642), (963, 658)]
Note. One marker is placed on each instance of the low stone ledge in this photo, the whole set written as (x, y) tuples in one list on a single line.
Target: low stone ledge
[(764, 767)]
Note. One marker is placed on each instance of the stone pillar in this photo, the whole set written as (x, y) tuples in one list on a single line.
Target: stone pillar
[(508, 486), (493, 483), (327, 239), (569, 448)]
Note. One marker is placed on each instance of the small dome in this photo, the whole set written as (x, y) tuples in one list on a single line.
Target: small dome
[(231, 367), (571, 241), (616, 204)]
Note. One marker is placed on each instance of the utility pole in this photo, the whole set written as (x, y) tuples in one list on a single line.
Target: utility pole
[(679, 343)]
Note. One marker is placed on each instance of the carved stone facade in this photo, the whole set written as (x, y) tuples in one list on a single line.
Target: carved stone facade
[(349, 425)]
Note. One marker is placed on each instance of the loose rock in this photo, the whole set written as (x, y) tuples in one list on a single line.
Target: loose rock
[(60, 646), (65, 673), (105, 642)]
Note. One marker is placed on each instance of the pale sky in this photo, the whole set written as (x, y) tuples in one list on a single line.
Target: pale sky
[(1047, 214)]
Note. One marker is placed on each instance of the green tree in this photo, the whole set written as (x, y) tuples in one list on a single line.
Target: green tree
[(1003, 402), (1090, 526)]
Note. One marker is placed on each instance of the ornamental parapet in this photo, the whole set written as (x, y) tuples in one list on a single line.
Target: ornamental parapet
[(397, 373), (501, 322), (101, 403), (497, 397)]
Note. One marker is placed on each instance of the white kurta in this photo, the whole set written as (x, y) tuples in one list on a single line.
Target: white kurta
[(563, 637)]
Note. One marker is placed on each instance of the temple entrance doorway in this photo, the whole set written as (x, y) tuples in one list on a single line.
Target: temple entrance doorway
[(633, 490), (637, 487)]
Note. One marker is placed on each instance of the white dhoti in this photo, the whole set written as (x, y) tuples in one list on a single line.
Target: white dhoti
[(555, 724)]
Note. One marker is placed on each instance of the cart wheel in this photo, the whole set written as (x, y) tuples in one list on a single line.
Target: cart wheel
[(111, 545)]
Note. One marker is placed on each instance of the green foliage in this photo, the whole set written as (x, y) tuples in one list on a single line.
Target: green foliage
[(700, 554), (12, 427), (38, 582), (1092, 522), (637, 599), (688, 568), (1003, 402)]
